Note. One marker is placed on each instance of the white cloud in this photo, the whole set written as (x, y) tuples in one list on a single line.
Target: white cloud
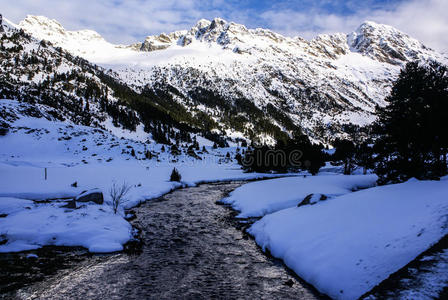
[(425, 20), (118, 21), (126, 21)]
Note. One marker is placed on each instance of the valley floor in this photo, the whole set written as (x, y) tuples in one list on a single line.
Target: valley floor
[(44, 163), (191, 249), (346, 238)]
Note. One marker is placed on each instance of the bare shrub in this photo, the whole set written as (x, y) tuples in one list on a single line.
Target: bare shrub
[(117, 193)]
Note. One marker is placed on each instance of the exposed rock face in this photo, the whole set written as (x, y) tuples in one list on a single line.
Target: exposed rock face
[(160, 42), (70, 204), (322, 86), (385, 43), (380, 42)]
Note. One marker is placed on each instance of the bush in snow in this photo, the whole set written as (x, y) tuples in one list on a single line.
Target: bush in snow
[(239, 158), (117, 194), (175, 175), (3, 131), (175, 150)]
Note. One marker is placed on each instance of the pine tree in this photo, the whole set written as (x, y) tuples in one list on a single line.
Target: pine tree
[(412, 127), (175, 175)]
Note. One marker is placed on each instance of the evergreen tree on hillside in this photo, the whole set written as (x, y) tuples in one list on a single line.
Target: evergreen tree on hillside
[(413, 137), (293, 154)]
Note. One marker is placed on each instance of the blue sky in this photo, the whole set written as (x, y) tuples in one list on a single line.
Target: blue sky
[(254, 11), (127, 21), (337, 7)]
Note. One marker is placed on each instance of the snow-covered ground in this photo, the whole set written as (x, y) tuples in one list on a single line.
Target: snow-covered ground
[(346, 245), (425, 278), (260, 198), (95, 227), (93, 158)]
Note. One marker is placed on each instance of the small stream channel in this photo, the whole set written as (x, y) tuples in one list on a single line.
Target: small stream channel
[(191, 248)]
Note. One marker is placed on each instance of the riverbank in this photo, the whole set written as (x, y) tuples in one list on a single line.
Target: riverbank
[(191, 248)]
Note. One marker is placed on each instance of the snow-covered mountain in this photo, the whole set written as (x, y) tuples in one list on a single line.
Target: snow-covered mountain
[(79, 92), (251, 80)]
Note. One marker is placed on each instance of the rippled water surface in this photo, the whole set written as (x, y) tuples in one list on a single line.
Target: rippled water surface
[(192, 248)]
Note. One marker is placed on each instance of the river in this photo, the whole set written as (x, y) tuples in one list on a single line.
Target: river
[(192, 248)]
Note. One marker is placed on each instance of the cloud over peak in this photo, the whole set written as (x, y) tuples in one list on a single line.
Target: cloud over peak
[(129, 21)]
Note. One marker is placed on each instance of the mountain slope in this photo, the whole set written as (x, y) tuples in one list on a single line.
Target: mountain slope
[(34, 71), (233, 73)]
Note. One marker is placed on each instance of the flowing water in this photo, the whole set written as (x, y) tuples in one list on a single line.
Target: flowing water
[(191, 248)]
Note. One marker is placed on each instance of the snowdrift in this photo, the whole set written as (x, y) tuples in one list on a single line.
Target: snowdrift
[(347, 245), (260, 198)]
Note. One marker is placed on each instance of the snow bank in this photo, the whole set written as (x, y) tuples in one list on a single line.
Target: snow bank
[(260, 198), (12, 205), (95, 226), (347, 245), (91, 226)]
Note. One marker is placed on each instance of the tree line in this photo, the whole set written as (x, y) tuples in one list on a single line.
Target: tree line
[(409, 138)]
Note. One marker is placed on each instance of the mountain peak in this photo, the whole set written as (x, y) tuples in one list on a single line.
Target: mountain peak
[(385, 43), (216, 22), (375, 30), (43, 23), (372, 24), (5, 24), (377, 41), (325, 83), (44, 28), (202, 23)]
